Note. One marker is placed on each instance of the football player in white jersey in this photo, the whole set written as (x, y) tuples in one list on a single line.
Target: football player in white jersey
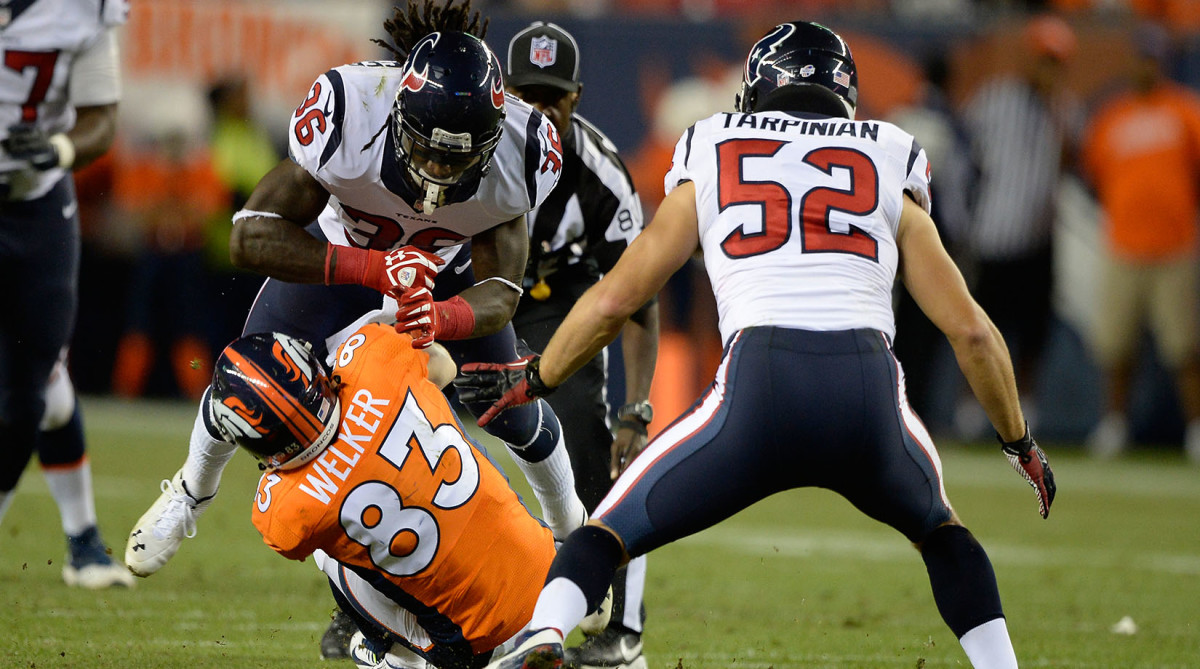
[(805, 217), (409, 180), (59, 90)]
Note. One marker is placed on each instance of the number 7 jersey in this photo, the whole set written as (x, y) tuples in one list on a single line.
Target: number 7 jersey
[(797, 216), (406, 500)]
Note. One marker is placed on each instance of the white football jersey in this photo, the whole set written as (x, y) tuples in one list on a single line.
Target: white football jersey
[(798, 216), (339, 134), (39, 41)]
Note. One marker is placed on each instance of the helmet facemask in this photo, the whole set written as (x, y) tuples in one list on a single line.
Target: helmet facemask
[(447, 118), (436, 166)]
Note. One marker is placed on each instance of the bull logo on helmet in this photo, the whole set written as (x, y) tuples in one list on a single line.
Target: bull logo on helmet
[(760, 55), (417, 74), (498, 93)]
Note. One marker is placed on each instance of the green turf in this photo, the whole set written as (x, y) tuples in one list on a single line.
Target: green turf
[(801, 580)]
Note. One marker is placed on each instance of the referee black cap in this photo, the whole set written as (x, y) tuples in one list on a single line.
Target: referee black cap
[(543, 54)]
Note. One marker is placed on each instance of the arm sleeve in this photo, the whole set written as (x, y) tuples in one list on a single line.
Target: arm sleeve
[(918, 175), (546, 172), (680, 170), (314, 129), (96, 73)]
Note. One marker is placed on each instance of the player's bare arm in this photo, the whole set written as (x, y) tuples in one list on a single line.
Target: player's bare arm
[(596, 319), (93, 134), (639, 347), (280, 247), (497, 253), (441, 366), (934, 281)]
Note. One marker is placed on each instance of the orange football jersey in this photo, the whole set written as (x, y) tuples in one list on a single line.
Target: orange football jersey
[(405, 492)]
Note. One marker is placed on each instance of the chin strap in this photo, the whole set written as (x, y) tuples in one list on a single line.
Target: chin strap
[(433, 197)]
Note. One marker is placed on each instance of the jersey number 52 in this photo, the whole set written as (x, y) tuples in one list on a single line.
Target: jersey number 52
[(816, 203)]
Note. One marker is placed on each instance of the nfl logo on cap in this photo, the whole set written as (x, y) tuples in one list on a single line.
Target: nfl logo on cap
[(543, 51)]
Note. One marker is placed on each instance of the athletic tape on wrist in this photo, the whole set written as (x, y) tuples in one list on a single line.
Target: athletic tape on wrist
[(66, 149), (250, 213), (510, 284)]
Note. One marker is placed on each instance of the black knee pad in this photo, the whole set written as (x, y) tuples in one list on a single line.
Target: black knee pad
[(961, 575), (588, 558)]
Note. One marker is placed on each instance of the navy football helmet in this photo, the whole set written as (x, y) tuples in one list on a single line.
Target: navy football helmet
[(448, 116), (796, 54), (271, 396)]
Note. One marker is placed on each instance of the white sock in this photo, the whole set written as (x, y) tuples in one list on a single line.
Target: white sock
[(71, 488), (6, 499), (206, 459), (561, 606), (988, 646), (553, 484), (635, 588)]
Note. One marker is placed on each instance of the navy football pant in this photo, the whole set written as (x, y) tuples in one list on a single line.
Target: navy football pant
[(39, 268), (788, 409)]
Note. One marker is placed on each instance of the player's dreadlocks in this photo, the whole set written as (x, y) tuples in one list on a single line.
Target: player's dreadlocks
[(407, 27)]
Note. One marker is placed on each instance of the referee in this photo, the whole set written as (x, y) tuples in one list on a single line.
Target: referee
[(576, 236)]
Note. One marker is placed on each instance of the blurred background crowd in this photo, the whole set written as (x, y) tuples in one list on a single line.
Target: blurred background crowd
[(1064, 138)]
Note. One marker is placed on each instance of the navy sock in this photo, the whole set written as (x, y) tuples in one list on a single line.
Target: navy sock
[(589, 558), (964, 584)]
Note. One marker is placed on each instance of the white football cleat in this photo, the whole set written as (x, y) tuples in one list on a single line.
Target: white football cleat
[(90, 566), (595, 622), (370, 655), (161, 530)]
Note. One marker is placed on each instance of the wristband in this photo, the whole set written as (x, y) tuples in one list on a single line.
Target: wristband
[(533, 377), (65, 148), (1021, 444), (455, 319), (346, 264), (510, 284), (243, 214)]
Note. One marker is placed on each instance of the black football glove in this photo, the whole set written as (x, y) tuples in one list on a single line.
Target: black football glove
[(1030, 462), (505, 385), (27, 142)]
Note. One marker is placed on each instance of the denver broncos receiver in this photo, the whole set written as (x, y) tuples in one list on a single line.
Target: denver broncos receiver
[(367, 469), (59, 91), (805, 217), (397, 170)]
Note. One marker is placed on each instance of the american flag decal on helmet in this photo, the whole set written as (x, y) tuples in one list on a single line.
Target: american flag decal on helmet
[(841, 78)]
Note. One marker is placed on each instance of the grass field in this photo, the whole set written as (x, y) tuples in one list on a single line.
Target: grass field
[(801, 580)]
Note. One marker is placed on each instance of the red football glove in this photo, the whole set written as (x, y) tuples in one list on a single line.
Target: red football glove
[(426, 320), (1030, 462), (391, 273), (504, 384)]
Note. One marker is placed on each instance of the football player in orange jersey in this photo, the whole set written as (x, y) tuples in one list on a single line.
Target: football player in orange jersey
[(368, 470)]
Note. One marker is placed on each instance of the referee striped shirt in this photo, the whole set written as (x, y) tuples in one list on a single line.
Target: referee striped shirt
[(580, 230), (1017, 143)]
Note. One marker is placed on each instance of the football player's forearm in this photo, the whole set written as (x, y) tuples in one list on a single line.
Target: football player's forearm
[(639, 346), (93, 134), (278, 249), (985, 362), (592, 324), (494, 303)]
